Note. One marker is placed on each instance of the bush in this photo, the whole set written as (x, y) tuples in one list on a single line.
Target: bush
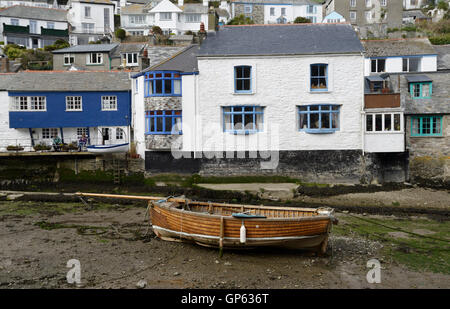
[(442, 5), (59, 44), (241, 20), (301, 20), (157, 30), (440, 39), (42, 147), (120, 34), (13, 51), (14, 148)]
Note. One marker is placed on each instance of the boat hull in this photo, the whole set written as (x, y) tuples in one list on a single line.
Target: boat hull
[(224, 231), (108, 148)]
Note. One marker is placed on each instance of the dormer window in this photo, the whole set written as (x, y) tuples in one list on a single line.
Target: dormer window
[(162, 84)]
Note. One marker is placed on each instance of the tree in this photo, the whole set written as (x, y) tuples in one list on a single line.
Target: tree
[(301, 20), (59, 44), (157, 30), (241, 20), (120, 33), (442, 5)]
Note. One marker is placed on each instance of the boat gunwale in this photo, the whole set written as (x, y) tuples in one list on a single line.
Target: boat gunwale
[(228, 217)]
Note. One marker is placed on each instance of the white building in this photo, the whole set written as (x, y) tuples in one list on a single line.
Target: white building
[(39, 3), (399, 55), (33, 27), (138, 19), (278, 11), (90, 20)]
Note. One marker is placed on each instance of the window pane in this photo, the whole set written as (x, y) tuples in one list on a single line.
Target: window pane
[(415, 126), (374, 65), (158, 86), (177, 86), (227, 120), (334, 120), (369, 123), (405, 64), (248, 121), (425, 90), (325, 121), (436, 125), (426, 125), (168, 86), (378, 122), (314, 121), (397, 122), (246, 85), (381, 65), (414, 64), (168, 121), (159, 124), (387, 122), (416, 90), (246, 72), (237, 124)]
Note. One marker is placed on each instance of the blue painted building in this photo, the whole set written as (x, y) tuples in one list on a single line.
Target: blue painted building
[(70, 104)]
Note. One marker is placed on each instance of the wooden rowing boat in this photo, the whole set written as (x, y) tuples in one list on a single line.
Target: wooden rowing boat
[(237, 226)]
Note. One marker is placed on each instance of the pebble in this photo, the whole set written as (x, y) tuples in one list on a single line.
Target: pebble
[(176, 273), (227, 264), (141, 284)]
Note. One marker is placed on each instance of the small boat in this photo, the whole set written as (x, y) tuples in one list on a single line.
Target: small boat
[(108, 148), (237, 226)]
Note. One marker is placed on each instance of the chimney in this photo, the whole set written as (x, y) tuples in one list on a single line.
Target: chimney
[(4, 65), (205, 3), (180, 2), (201, 33)]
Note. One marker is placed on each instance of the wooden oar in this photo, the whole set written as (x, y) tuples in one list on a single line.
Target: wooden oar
[(133, 197)]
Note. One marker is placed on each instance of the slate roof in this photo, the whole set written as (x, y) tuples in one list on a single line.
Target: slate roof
[(292, 39), (222, 13), (70, 81), (128, 48), (87, 48), (35, 12), (132, 9), (95, 1), (6, 80), (158, 54), (414, 13), (185, 61), (398, 47), (198, 8), (443, 59)]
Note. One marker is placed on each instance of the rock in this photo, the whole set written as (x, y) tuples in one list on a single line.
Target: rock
[(176, 273), (141, 284), (216, 261), (227, 264), (13, 197), (345, 211)]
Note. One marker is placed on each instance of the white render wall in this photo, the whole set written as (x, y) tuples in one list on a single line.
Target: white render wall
[(138, 114), (428, 63), (11, 136), (280, 84), (76, 16), (292, 12)]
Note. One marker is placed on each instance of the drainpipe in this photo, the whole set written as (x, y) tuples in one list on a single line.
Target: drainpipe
[(62, 135), (31, 135)]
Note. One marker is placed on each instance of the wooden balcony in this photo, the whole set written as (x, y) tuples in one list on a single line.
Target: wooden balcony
[(382, 100)]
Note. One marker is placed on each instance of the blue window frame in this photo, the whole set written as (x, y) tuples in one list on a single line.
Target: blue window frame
[(243, 119), (319, 77), (163, 122), (243, 79), (318, 118), (421, 90), (162, 84), (426, 126)]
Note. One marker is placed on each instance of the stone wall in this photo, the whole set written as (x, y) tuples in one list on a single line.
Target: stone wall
[(257, 13), (347, 166), (430, 156)]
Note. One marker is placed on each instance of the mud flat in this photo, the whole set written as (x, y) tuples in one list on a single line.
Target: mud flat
[(117, 249)]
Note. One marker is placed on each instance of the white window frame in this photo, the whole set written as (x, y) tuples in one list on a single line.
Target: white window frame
[(383, 2), (134, 56), (272, 11), (120, 134), (368, 15), (165, 16), (352, 15), (189, 18), (87, 12), (383, 125), (368, 3), (136, 19), (283, 12), (50, 25), (81, 131), (72, 102), (94, 58), (49, 133), (352, 3), (69, 57), (14, 22), (33, 27), (248, 8), (109, 103), (28, 104), (88, 27)]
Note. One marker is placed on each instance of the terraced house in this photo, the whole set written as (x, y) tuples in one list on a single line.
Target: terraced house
[(33, 27), (277, 11), (44, 105)]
